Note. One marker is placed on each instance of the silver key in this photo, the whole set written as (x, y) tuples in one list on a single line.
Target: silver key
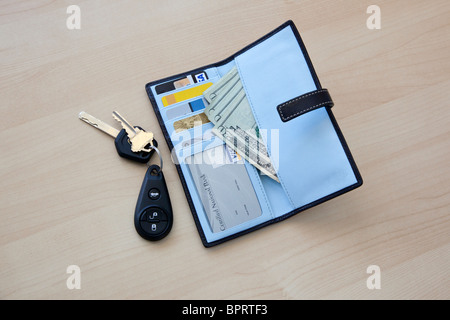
[(99, 124), (131, 131), (121, 140)]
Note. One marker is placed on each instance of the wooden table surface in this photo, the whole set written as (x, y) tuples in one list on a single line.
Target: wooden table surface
[(68, 199)]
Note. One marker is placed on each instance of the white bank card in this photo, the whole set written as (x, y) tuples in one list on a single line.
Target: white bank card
[(224, 188)]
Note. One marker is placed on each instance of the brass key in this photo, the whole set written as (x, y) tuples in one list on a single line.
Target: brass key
[(139, 138), (121, 139)]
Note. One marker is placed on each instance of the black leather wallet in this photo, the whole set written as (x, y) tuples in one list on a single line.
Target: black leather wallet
[(304, 142)]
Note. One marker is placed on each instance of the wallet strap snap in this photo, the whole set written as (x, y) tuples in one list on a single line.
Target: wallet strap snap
[(304, 103)]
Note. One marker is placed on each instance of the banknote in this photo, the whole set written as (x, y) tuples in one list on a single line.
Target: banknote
[(237, 112), (229, 96), (234, 123), (248, 147), (221, 86), (228, 104)]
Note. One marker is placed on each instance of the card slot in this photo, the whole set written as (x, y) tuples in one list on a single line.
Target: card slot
[(194, 142), (185, 80), (189, 103), (228, 198), (178, 104), (184, 128), (185, 95), (181, 151), (210, 80), (185, 109)]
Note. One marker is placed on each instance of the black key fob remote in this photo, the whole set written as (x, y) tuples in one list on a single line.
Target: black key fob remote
[(153, 216), (123, 147)]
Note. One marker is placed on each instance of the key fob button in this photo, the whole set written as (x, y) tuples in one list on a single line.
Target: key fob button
[(154, 194), (162, 216), (153, 214), (154, 228)]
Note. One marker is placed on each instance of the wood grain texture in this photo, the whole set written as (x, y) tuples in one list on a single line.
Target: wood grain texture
[(67, 198)]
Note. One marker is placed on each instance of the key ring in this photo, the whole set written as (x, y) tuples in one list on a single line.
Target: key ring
[(160, 158)]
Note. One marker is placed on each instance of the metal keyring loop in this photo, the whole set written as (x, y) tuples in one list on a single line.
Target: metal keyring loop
[(160, 158)]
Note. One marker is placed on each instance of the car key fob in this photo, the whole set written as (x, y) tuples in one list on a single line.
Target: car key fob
[(123, 147), (153, 216)]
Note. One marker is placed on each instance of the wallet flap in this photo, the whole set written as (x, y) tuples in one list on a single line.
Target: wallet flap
[(308, 153)]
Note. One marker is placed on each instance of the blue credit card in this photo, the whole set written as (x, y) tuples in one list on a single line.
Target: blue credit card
[(185, 109)]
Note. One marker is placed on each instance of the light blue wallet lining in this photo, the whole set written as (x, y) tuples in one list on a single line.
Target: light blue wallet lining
[(310, 159)]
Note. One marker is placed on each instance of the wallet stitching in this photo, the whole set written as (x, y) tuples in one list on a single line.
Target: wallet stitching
[(298, 99), (263, 191), (257, 120), (304, 111), (215, 70), (302, 97)]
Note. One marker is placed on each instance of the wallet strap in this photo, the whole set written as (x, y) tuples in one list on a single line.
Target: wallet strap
[(304, 103)]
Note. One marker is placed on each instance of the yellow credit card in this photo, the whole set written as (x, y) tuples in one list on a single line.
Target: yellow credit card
[(185, 94)]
